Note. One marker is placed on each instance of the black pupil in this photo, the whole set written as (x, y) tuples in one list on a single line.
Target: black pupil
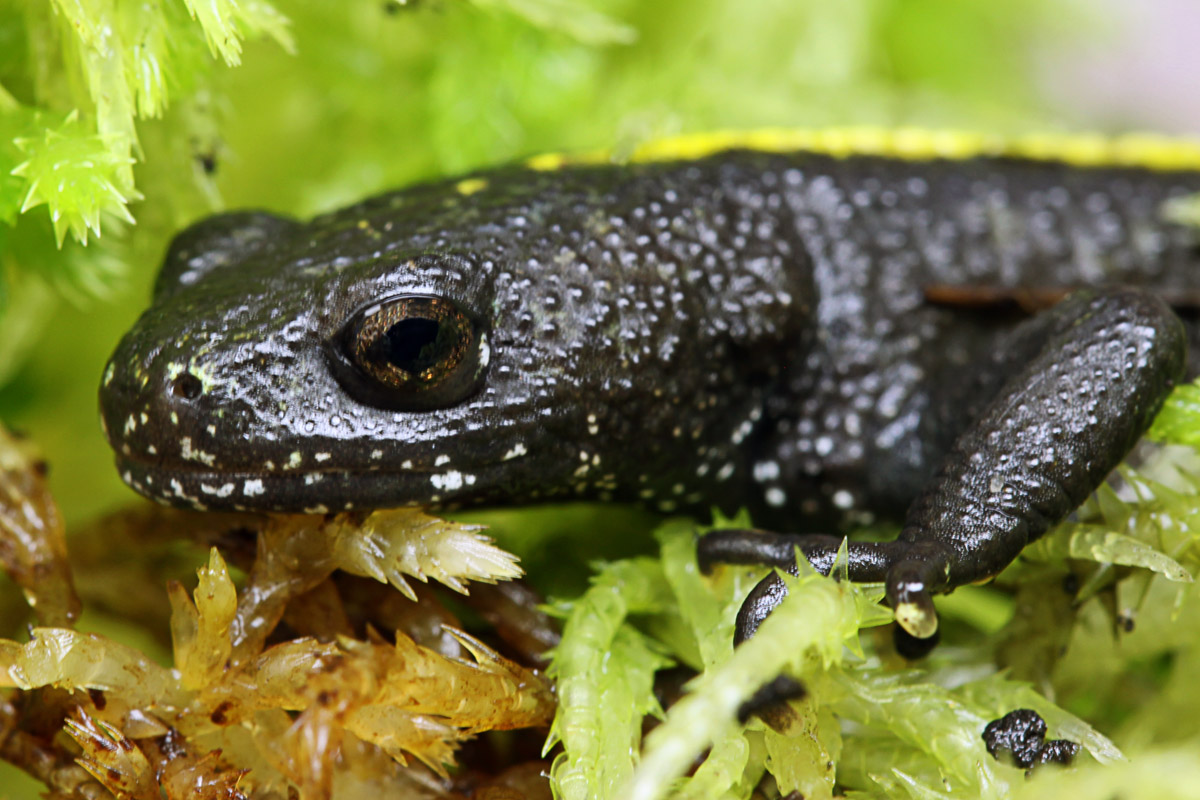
[(412, 344)]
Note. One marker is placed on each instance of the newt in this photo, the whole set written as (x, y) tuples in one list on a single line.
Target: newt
[(962, 335)]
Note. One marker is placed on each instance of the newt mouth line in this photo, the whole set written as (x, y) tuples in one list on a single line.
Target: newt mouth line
[(287, 471), (300, 491)]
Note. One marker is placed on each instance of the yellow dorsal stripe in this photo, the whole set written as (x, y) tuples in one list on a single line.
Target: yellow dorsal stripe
[(1150, 151)]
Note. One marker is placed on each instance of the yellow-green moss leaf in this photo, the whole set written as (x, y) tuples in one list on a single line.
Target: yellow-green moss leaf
[(77, 175)]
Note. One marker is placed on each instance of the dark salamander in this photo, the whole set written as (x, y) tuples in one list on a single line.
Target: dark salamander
[(819, 336)]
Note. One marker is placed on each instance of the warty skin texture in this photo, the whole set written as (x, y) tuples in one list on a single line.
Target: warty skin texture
[(744, 330), (591, 306)]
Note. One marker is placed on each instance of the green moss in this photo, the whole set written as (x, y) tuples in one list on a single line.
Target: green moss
[(1179, 422), (915, 732), (604, 673)]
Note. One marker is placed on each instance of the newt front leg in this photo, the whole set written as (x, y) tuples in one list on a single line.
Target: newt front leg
[(1085, 380)]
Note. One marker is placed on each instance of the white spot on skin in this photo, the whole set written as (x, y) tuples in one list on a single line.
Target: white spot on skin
[(742, 432), (321, 457), (766, 471), (174, 418), (440, 460), (853, 424), (253, 488), (451, 480), (224, 490), (212, 430), (485, 351), (889, 402), (517, 450), (144, 417), (823, 445), (376, 454), (188, 454), (130, 425), (294, 460), (313, 477), (406, 464), (152, 450), (775, 497), (318, 509), (108, 374), (725, 471), (843, 499)]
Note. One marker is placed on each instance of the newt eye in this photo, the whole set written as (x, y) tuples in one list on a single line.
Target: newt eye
[(412, 353)]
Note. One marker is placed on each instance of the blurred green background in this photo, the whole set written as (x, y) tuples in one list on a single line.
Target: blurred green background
[(334, 101)]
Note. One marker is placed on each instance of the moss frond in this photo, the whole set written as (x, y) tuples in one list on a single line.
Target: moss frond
[(78, 175)]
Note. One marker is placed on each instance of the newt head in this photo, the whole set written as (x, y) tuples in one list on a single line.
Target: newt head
[(435, 347)]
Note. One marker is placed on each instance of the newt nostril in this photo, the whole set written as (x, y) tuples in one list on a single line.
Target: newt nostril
[(186, 386)]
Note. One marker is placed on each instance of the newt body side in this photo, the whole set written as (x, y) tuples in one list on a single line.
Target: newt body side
[(745, 329)]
